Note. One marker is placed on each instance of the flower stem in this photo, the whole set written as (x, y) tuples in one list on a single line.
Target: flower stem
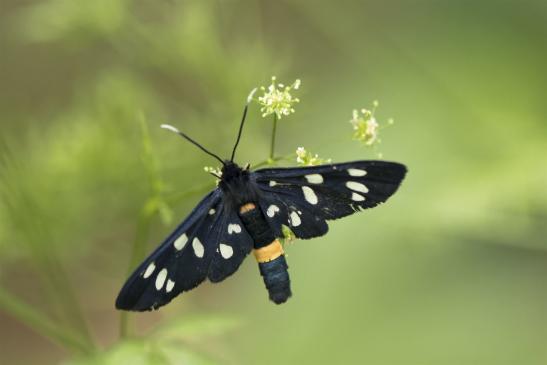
[(272, 143), (272, 161)]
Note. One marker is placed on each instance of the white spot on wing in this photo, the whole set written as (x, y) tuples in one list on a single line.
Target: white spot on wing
[(356, 172), (273, 183), (355, 186), (199, 250), (234, 228), (181, 241), (149, 270), (314, 178), (272, 209), (309, 194), (212, 211), (357, 197), (295, 219), (226, 251), (169, 286), (160, 279)]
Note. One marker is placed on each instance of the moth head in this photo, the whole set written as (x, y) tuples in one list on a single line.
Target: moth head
[(230, 170)]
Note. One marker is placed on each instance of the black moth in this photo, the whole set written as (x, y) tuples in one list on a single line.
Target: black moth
[(247, 212)]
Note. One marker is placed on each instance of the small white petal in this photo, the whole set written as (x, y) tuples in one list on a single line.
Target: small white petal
[(226, 251), (272, 209), (295, 219), (181, 242), (199, 250), (149, 270), (309, 195), (314, 178), (357, 186), (169, 286), (356, 172), (160, 279), (234, 228), (357, 197)]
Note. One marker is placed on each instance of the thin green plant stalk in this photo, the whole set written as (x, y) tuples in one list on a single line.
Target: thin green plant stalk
[(272, 142), (272, 161), (41, 324)]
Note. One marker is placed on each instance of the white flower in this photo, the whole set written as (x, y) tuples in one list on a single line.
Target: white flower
[(306, 158), (215, 171), (277, 99), (365, 126)]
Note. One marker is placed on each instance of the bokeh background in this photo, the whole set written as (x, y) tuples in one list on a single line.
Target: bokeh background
[(453, 270)]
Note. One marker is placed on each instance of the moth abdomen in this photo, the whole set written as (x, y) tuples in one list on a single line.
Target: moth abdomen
[(276, 278), (268, 253)]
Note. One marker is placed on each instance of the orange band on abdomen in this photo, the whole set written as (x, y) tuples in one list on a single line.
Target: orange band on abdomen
[(269, 253), (246, 208)]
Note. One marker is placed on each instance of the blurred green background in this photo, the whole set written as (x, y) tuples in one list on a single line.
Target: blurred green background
[(451, 271)]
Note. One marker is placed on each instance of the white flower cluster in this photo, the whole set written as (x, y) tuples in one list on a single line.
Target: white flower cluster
[(306, 158), (365, 126), (215, 171), (277, 99)]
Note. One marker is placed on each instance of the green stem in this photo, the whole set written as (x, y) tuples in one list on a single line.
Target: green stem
[(272, 143), (271, 161), (38, 322)]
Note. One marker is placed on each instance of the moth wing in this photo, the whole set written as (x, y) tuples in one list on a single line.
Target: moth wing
[(233, 246), (304, 198), (180, 263)]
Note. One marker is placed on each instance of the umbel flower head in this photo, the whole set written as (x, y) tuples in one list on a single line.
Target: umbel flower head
[(277, 99), (306, 158), (365, 126)]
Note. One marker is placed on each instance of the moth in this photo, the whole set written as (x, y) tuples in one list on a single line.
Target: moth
[(249, 211)]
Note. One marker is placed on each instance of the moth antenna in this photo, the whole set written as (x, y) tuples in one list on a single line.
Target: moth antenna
[(175, 130), (249, 99)]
